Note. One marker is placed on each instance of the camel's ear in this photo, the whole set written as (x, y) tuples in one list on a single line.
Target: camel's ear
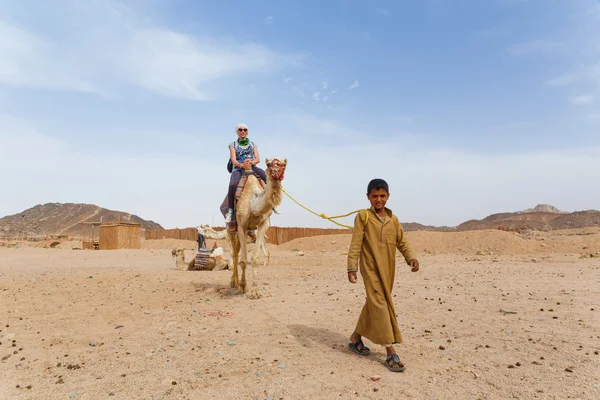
[(268, 161), (285, 161)]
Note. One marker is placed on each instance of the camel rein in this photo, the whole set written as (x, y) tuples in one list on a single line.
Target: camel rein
[(324, 216)]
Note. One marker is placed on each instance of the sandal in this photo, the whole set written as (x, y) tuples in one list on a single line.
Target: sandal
[(394, 364), (359, 348)]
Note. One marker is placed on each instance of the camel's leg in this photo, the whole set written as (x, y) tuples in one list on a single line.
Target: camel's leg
[(235, 251), (268, 258), (243, 256), (260, 238), (266, 253)]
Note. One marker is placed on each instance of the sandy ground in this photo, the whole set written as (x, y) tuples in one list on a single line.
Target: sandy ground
[(126, 325)]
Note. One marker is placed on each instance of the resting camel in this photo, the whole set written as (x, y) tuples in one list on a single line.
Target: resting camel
[(215, 261), (210, 233), (179, 256), (252, 211)]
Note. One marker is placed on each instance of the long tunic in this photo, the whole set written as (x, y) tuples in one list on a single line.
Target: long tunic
[(373, 248)]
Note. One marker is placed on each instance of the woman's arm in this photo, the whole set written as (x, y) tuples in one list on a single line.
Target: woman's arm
[(256, 156), (232, 157)]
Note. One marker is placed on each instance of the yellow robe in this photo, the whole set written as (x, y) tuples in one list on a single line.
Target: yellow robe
[(373, 247)]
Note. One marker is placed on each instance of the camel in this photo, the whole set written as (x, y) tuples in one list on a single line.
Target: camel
[(210, 233), (215, 261), (253, 210), (179, 256)]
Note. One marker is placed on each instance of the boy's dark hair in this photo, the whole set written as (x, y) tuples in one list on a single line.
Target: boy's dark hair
[(377, 184)]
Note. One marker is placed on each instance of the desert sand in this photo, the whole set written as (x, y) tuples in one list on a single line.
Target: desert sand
[(490, 315)]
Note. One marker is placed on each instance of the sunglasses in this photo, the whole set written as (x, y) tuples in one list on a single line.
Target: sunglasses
[(243, 130)]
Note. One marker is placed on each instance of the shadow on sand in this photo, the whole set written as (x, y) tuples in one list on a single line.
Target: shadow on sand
[(209, 289), (308, 336)]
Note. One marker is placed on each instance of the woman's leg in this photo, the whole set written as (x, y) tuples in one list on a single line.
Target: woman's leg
[(201, 241), (260, 172), (236, 175)]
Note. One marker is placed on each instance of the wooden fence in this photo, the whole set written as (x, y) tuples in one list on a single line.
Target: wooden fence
[(181, 234), (276, 235), (279, 235)]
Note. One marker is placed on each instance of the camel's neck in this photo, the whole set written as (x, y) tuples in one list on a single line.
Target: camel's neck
[(217, 235), (270, 198)]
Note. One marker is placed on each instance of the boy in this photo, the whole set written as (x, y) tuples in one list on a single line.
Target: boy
[(377, 233)]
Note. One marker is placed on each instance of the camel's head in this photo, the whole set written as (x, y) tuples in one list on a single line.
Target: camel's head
[(178, 253), (276, 168)]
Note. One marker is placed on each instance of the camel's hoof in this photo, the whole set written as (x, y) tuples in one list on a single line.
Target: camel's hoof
[(255, 294), (234, 283)]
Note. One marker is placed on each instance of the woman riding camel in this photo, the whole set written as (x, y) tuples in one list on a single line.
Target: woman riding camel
[(244, 156)]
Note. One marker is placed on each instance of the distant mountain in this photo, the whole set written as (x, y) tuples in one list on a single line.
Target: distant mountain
[(544, 208), (66, 219), (542, 217), (63, 219), (415, 226)]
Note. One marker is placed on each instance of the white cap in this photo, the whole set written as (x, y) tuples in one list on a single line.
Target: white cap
[(241, 126)]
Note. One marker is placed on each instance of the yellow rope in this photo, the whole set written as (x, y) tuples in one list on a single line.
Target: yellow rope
[(324, 216)]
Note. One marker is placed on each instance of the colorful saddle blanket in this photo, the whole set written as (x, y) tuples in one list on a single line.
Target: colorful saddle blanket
[(232, 226), (201, 260)]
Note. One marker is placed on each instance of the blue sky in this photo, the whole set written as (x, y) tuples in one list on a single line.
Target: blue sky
[(466, 107)]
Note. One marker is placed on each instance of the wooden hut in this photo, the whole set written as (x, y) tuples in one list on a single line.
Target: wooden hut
[(120, 235)]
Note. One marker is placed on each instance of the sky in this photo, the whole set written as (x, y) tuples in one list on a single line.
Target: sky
[(465, 107)]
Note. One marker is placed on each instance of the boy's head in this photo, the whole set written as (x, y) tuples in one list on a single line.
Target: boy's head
[(378, 193)]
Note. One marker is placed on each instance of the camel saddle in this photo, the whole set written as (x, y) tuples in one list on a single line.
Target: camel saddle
[(232, 226)]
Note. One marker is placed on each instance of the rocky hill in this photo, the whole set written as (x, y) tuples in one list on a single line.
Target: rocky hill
[(63, 219), (522, 220), (542, 217)]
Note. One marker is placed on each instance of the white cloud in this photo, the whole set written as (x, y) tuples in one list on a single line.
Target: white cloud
[(382, 11), (354, 85), (324, 85), (286, 80), (503, 182), (334, 91), (581, 49), (184, 63), (536, 46), (116, 49), (582, 99), (298, 90), (32, 61), (316, 96), (584, 73), (312, 127), (562, 80), (269, 20)]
